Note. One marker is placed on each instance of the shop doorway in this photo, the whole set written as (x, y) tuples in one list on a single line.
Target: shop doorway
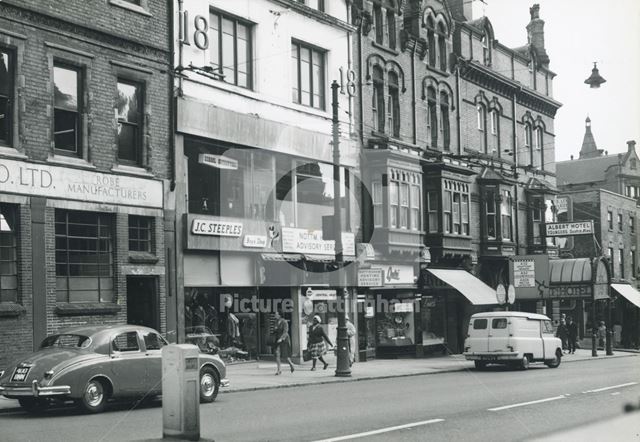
[(142, 301)]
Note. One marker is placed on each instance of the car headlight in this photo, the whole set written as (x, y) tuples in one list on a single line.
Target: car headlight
[(48, 374)]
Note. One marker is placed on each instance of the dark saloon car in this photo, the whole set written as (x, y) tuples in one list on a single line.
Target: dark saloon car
[(91, 364)]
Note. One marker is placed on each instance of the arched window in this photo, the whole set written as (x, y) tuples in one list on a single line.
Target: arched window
[(391, 28), (393, 105), (431, 41), (494, 118), (538, 144), (486, 49), (432, 117), (528, 141), (377, 102), (378, 24), (482, 127), (444, 121), (442, 46)]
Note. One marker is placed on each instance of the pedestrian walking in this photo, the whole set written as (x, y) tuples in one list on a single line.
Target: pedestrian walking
[(562, 333), (282, 343), (572, 334), (351, 333), (317, 348), (602, 334)]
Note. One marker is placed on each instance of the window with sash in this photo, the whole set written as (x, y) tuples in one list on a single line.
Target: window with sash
[(230, 49), (308, 75), (377, 101), (415, 207), (482, 127), (432, 210), (129, 112), (490, 214), (432, 117), (9, 240), (140, 234), (394, 203), (393, 107), (391, 28), (442, 46), (506, 213), (444, 121), (446, 209), (405, 201), (67, 109), (6, 95), (378, 24), (377, 203)]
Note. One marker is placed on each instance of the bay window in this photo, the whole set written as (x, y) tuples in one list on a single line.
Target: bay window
[(446, 210), (432, 210), (404, 205), (377, 203), (393, 203), (415, 207), (506, 213), (456, 214), (490, 214), (405, 201)]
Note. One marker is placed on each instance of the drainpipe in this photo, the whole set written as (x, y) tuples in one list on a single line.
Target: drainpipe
[(172, 101), (514, 140), (413, 93), (458, 130)]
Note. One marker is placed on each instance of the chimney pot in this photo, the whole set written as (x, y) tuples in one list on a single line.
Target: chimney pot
[(631, 145), (571, 157)]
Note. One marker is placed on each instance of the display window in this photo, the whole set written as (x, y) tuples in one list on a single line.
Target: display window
[(396, 327), (432, 317)]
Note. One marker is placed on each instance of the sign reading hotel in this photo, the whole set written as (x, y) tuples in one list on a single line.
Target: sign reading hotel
[(216, 228), (311, 242), (524, 273), (568, 229), (74, 184)]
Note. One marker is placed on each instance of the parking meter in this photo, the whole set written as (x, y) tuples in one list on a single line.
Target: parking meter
[(180, 392)]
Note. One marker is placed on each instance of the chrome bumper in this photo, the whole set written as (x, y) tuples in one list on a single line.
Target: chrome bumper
[(224, 382), (497, 356), (35, 390)]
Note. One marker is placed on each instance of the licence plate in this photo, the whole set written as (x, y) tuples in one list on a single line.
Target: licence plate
[(489, 358), (20, 375)]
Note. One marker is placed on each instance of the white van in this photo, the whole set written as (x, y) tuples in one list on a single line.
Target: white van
[(512, 338)]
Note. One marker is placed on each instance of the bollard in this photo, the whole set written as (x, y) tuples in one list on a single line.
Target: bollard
[(180, 392)]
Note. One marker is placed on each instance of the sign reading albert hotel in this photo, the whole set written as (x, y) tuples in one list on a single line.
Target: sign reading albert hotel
[(568, 229), (75, 184)]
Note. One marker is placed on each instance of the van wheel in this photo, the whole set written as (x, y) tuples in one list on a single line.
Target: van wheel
[(524, 362), (480, 365), (555, 362)]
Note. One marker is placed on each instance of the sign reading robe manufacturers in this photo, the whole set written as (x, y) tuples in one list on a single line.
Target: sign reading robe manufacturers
[(83, 185), (568, 229), (311, 242)]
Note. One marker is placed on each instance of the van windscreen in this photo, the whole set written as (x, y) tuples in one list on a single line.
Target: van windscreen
[(480, 324)]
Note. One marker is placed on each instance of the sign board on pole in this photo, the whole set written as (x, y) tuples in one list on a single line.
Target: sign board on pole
[(524, 273), (569, 229), (529, 276)]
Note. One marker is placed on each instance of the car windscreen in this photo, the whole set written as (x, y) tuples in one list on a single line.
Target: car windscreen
[(66, 341)]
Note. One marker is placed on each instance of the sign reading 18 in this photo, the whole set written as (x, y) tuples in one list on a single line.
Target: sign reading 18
[(200, 33)]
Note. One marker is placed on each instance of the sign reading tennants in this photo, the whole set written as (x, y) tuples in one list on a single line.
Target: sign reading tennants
[(84, 185), (568, 229)]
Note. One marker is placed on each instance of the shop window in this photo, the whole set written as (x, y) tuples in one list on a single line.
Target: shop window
[(415, 208), (6, 95), (482, 127), (432, 117), (444, 121), (308, 66), (140, 234), (610, 219), (432, 208), (67, 98), (620, 222), (490, 211), (391, 28), (480, 324), (8, 253), (377, 203), (431, 42), (377, 102), (393, 107), (84, 257), (130, 111), (442, 46), (506, 212), (230, 48), (378, 24)]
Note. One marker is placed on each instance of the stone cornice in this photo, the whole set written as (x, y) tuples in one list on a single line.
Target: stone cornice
[(314, 13)]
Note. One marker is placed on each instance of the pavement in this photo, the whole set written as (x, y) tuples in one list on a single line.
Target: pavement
[(260, 375)]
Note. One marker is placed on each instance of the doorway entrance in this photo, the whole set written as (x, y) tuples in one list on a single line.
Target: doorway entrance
[(142, 301)]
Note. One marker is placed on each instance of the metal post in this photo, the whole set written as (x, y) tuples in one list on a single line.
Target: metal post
[(609, 345), (342, 366), (594, 329)]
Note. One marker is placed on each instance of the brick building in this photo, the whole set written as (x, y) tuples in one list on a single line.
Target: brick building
[(605, 188), (84, 137)]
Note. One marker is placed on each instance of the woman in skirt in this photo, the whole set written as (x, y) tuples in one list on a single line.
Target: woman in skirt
[(282, 344), (317, 338)]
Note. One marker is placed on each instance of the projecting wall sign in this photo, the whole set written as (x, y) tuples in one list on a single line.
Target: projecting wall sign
[(567, 229)]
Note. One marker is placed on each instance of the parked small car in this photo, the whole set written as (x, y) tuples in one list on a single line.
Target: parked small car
[(91, 364), (512, 338)]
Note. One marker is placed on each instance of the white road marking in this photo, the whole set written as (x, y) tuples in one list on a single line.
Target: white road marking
[(382, 430), (522, 404), (598, 390), (615, 393)]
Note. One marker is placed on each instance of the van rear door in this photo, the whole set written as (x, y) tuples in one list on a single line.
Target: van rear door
[(478, 335), (499, 334)]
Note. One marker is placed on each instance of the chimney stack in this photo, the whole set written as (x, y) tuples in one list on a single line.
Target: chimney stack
[(535, 34), (631, 146)]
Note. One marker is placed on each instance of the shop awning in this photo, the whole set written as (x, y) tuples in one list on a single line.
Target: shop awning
[(288, 257), (629, 292), (476, 291), (570, 271)]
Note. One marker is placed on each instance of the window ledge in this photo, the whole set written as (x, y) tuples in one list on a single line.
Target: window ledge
[(435, 69), (131, 170), (86, 308), (384, 48), (11, 309), (6, 151), (142, 258), (131, 7), (70, 161)]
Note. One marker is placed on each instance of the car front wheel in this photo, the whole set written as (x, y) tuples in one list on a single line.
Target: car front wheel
[(209, 384), (94, 396)]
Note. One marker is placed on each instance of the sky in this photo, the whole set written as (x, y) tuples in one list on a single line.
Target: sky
[(577, 33)]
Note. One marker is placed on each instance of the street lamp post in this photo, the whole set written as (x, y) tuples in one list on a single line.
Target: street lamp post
[(343, 368)]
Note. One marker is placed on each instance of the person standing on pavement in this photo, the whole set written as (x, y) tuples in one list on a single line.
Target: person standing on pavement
[(317, 338), (561, 333), (351, 333), (282, 342), (602, 334), (572, 334)]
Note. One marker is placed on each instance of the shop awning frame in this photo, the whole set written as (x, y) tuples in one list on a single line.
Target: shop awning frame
[(476, 291), (629, 292), (282, 257)]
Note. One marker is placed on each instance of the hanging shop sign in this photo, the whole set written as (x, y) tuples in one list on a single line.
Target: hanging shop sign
[(74, 184), (215, 228), (568, 229), (255, 241), (310, 242), (370, 278), (217, 161)]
